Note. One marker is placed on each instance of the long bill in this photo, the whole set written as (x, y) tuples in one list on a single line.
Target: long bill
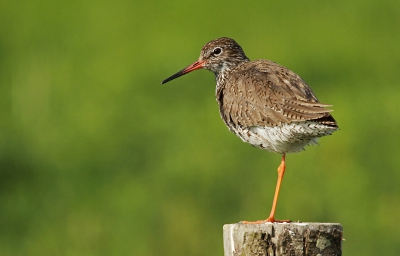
[(197, 65)]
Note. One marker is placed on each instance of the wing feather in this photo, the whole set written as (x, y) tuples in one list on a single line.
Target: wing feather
[(263, 93)]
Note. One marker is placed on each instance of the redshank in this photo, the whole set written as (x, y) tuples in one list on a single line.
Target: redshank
[(263, 103)]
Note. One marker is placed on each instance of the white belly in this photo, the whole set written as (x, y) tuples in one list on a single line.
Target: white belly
[(288, 138)]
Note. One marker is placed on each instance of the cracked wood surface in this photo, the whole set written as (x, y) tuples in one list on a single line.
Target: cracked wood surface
[(282, 239)]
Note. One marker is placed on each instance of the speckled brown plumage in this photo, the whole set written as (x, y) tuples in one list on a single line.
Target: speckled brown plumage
[(264, 93), (263, 103)]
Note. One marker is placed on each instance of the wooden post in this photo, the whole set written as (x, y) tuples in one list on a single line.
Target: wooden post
[(283, 239)]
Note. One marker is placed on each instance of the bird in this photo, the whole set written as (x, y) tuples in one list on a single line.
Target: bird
[(263, 103)]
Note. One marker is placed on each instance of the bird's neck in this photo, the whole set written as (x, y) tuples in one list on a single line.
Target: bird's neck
[(227, 68)]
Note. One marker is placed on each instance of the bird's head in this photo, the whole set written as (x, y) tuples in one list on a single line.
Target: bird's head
[(217, 56)]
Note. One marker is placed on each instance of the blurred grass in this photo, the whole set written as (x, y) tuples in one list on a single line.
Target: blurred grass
[(98, 158)]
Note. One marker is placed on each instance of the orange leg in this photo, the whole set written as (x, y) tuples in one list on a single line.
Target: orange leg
[(271, 218)]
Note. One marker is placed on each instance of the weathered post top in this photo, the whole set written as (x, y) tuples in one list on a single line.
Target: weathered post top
[(281, 239)]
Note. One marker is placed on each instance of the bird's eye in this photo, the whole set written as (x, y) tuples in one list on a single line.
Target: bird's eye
[(217, 51)]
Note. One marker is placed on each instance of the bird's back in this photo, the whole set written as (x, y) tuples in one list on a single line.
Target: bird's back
[(271, 107)]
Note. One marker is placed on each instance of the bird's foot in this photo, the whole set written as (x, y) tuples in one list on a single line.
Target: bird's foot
[(270, 219)]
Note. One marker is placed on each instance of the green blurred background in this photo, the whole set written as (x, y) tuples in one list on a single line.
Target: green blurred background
[(98, 158)]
